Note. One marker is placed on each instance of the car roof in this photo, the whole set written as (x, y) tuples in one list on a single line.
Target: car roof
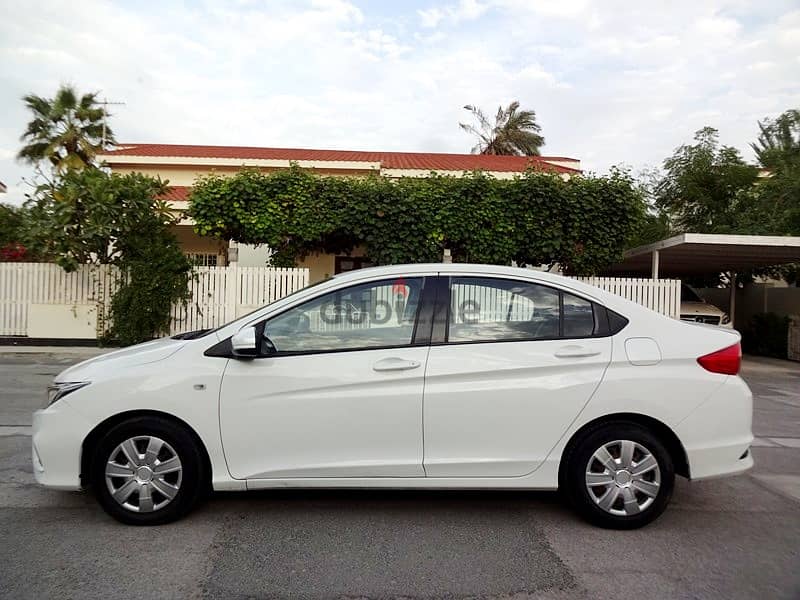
[(425, 268), (468, 269), (587, 290)]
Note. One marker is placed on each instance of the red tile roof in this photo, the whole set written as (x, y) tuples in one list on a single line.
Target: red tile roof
[(427, 161), (177, 193)]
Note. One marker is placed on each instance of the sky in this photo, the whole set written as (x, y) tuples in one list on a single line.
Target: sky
[(612, 82)]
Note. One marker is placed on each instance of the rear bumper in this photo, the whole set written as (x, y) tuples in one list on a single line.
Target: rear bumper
[(718, 434), (58, 434)]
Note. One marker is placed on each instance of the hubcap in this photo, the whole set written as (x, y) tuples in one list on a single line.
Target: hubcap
[(143, 473), (623, 477)]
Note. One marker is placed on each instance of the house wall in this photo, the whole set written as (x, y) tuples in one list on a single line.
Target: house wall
[(182, 176), (253, 256), (322, 266), (187, 175), (191, 243)]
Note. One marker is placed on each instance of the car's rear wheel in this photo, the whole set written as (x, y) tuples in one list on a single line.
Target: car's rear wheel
[(147, 471), (619, 475)]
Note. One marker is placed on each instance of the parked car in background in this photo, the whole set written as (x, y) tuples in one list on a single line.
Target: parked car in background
[(514, 379), (697, 310)]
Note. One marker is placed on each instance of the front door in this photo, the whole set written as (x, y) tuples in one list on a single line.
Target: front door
[(518, 363), (342, 394)]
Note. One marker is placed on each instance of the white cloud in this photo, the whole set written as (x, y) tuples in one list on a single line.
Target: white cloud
[(465, 10), (560, 9), (611, 82), (430, 17)]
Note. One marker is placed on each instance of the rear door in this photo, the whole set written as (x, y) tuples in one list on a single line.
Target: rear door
[(515, 363)]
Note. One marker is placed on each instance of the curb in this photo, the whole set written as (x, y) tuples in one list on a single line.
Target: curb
[(62, 350)]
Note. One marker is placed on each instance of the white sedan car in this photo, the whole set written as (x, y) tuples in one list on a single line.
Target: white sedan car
[(415, 376)]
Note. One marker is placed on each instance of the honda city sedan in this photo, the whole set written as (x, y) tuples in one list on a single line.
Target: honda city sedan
[(441, 376)]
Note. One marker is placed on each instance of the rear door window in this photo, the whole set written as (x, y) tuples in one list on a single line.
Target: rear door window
[(488, 309), (578, 317)]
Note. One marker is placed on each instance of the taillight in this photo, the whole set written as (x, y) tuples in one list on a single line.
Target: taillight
[(726, 361)]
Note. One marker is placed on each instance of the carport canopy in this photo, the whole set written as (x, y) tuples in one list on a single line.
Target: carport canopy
[(706, 253)]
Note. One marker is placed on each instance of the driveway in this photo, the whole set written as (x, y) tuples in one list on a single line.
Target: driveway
[(728, 538)]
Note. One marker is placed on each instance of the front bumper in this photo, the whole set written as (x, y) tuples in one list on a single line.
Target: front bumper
[(718, 434), (58, 434)]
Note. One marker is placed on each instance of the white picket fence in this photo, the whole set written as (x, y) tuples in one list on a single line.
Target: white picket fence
[(660, 295), (217, 294), (221, 294)]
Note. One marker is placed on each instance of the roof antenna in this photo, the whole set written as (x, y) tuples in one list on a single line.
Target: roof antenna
[(106, 102)]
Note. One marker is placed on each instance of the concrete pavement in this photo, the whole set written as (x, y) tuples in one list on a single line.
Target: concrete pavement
[(728, 538)]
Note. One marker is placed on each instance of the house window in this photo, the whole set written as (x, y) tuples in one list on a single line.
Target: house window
[(202, 260)]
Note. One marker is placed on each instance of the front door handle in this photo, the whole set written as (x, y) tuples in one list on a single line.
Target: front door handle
[(394, 363), (575, 352)]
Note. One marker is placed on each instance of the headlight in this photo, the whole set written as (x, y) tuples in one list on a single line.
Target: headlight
[(725, 319), (58, 390)]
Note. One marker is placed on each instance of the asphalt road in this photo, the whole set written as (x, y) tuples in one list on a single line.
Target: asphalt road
[(728, 538)]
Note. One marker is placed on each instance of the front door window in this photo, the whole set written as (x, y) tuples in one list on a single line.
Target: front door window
[(378, 314)]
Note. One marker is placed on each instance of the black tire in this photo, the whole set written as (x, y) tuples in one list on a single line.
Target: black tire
[(193, 477), (586, 502)]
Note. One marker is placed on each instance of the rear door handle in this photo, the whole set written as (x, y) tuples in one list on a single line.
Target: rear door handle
[(394, 363), (575, 352)]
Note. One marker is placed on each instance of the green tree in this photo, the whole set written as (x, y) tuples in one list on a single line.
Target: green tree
[(93, 217), (11, 224), (155, 275), (66, 131), (774, 203), (654, 227), (514, 132), (778, 144), (13, 234), (654, 224), (706, 186), (778, 193)]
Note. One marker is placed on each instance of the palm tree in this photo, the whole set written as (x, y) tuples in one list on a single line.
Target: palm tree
[(515, 131), (779, 140), (66, 131)]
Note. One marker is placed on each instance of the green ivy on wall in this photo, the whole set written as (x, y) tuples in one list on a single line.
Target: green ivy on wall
[(535, 218)]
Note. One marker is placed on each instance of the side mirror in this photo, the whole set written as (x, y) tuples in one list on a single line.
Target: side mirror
[(244, 343)]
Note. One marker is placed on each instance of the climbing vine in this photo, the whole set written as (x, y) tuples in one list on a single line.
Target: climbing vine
[(535, 218)]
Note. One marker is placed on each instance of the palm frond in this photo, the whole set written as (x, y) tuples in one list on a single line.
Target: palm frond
[(513, 132), (66, 130)]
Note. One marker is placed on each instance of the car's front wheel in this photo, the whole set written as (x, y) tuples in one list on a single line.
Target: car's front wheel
[(619, 475), (147, 471)]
